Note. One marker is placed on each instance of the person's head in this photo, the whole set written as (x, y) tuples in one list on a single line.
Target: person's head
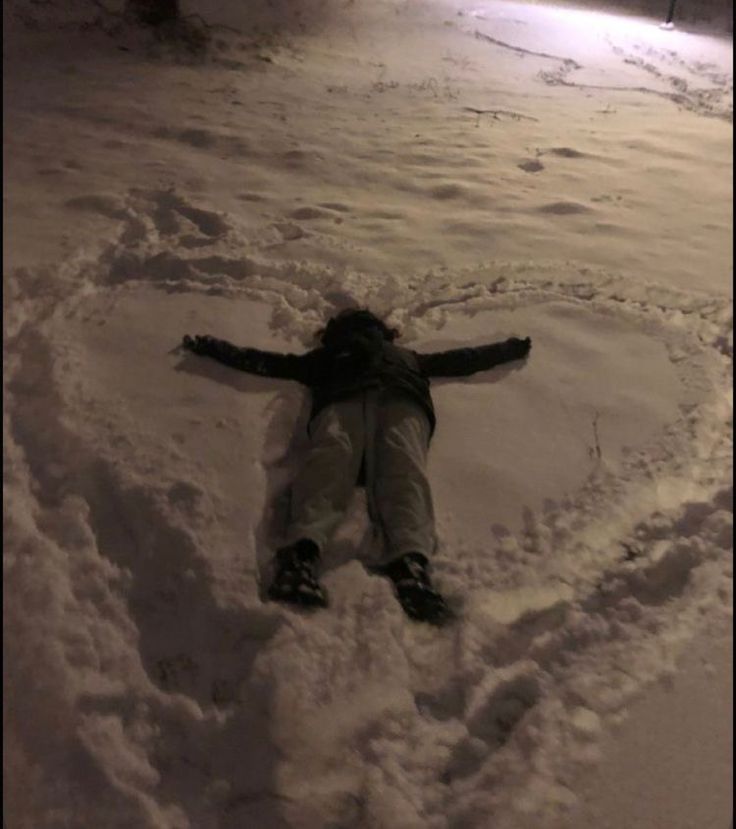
[(355, 323)]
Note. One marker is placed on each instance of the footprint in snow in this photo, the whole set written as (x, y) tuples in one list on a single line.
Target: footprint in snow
[(495, 712), (531, 165), (289, 232), (387, 214), (564, 208), (563, 152), (299, 158), (169, 208), (310, 213), (200, 138), (447, 191), (334, 205), (492, 718), (206, 221), (444, 704), (104, 205)]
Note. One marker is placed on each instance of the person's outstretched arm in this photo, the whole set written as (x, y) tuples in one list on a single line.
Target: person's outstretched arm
[(253, 360), (459, 362)]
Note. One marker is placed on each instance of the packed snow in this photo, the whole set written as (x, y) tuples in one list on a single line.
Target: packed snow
[(470, 172)]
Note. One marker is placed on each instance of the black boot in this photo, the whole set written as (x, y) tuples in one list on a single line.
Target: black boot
[(414, 589), (295, 581)]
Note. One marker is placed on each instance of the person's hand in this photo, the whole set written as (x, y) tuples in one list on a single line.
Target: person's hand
[(520, 348), (197, 344)]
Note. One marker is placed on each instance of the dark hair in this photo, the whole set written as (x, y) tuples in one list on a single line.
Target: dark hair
[(350, 319)]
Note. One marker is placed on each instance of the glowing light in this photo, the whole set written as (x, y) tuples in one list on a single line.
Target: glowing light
[(584, 19), (668, 24)]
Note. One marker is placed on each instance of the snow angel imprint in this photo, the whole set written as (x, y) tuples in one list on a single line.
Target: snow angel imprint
[(371, 422)]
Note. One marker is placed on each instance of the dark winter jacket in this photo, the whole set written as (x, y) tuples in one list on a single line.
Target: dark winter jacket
[(333, 374)]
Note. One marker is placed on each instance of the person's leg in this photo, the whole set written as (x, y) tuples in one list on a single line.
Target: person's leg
[(401, 492), (319, 495), (403, 502), (325, 483)]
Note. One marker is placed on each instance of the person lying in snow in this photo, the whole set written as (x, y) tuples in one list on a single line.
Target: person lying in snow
[(371, 422)]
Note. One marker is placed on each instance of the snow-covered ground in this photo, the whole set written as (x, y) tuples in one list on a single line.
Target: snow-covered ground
[(471, 171)]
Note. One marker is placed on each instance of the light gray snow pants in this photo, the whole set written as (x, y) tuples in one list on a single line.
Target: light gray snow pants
[(392, 433)]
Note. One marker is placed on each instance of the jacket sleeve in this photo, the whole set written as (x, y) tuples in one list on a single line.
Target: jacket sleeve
[(460, 362), (297, 367)]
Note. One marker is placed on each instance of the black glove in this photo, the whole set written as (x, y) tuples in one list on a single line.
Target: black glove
[(519, 348), (197, 344)]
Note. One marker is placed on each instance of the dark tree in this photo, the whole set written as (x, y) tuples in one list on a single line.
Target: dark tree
[(153, 12)]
